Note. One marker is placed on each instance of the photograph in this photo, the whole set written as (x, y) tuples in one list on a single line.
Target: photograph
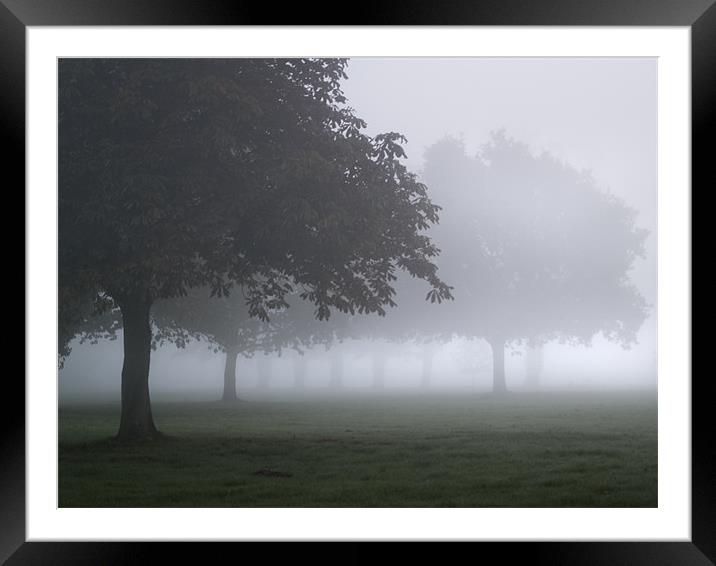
[(423, 276), (361, 282)]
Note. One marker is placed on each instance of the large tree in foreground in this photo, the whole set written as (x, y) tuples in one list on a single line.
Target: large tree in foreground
[(246, 174), (535, 250)]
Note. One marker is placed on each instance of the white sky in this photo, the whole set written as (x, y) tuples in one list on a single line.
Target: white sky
[(598, 114), (595, 113)]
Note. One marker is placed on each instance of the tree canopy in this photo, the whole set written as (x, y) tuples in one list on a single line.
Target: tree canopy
[(251, 172), (534, 249)]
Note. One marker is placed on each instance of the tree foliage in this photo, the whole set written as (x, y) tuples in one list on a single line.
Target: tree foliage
[(243, 172), (86, 316), (534, 249)]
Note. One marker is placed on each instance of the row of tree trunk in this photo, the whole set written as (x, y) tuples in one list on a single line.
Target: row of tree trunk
[(136, 415), (534, 363)]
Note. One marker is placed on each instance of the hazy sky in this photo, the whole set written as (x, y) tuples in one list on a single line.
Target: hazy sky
[(596, 113)]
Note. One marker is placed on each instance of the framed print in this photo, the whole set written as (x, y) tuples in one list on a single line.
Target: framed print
[(424, 249)]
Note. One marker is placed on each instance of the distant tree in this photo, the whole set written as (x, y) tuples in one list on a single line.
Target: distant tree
[(224, 324), (427, 352), (411, 320), (228, 173), (309, 333), (534, 249)]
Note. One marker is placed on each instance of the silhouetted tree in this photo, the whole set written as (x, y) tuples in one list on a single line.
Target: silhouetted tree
[(225, 324), (85, 315), (231, 173), (534, 249), (412, 319)]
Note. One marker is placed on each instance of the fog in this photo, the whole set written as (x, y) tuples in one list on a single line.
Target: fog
[(474, 126), (91, 374), (597, 114)]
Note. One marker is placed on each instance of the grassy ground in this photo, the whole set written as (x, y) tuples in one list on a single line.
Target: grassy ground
[(527, 450)]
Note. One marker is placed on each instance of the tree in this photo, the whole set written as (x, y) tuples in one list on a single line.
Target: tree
[(87, 316), (223, 323), (226, 325), (411, 320), (248, 174), (534, 249), (307, 332)]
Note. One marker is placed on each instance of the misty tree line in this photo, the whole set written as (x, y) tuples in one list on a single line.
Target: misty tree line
[(241, 202)]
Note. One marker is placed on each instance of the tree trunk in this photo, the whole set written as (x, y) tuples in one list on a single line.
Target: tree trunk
[(498, 365), (230, 376), (336, 375), (299, 371), (136, 421), (427, 367), (379, 371)]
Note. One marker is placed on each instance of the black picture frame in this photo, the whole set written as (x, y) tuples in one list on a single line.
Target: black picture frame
[(17, 15)]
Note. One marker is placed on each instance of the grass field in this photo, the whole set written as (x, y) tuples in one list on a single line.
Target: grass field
[(525, 450)]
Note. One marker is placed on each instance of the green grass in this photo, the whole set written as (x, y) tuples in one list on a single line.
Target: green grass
[(526, 450)]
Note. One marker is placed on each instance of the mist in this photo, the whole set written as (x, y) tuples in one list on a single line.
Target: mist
[(195, 373), (357, 282), (596, 115)]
